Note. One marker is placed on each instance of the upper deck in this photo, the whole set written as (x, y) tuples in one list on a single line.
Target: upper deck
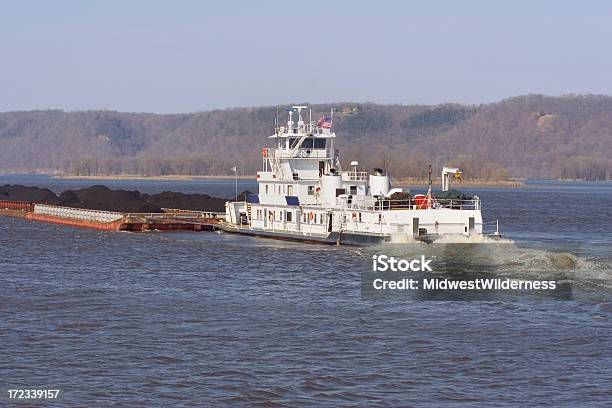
[(300, 128)]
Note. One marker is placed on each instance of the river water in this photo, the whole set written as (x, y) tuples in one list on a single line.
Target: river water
[(211, 319)]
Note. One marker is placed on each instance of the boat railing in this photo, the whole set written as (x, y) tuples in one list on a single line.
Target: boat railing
[(491, 228), (301, 153), (178, 214), (355, 176), (307, 128), (456, 204), (411, 204)]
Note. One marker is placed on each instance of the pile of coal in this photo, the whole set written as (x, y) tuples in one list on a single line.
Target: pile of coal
[(452, 194), (241, 196), (103, 198), (400, 196), (28, 194), (182, 201), (100, 197)]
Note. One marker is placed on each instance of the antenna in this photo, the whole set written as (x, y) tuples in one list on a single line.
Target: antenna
[(276, 120), (429, 194), (310, 119)]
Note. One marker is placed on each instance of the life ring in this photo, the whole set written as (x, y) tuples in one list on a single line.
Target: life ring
[(311, 216), (354, 215), (264, 152)]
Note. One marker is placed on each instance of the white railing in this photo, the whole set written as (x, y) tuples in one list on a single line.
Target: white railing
[(301, 153), (472, 204), (178, 213), (388, 204), (355, 176), (77, 213)]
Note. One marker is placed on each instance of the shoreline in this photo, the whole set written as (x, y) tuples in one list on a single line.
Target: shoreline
[(414, 182), (400, 181), (406, 181), (173, 177)]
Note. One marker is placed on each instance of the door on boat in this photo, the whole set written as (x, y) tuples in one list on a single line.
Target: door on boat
[(329, 221)]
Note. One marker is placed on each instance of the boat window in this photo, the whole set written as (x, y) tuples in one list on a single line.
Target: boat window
[(319, 143), (290, 190), (308, 143), (353, 190), (340, 191), (316, 218), (289, 216), (293, 142), (359, 217), (266, 189), (310, 190)]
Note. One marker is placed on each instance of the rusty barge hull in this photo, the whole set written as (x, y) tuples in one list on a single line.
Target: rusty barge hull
[(170, 221)]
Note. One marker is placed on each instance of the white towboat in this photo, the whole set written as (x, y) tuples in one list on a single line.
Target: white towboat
[(304, 195)]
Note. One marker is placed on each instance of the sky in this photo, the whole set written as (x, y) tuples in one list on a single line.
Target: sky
[(188, 56)]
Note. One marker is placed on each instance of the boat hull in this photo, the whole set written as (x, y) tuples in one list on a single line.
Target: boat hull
[(333, 238)]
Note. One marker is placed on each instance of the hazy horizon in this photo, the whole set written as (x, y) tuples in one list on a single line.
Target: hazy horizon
[(308, 103), (192, 56)]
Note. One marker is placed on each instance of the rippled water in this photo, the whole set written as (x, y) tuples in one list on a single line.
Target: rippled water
[(210, 319)]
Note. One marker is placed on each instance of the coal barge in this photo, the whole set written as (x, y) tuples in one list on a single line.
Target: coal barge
[(170, 220), (101, 208)]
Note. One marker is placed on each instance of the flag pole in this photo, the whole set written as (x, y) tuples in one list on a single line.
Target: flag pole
[(236, 180)]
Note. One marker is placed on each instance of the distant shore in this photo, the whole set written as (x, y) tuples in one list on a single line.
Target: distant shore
[(182, 177), (465, 183), (172, 177)]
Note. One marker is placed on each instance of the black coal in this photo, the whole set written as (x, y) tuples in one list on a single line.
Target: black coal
[(100, 197)]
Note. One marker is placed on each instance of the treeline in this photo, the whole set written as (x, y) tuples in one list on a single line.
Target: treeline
[(527, 136)]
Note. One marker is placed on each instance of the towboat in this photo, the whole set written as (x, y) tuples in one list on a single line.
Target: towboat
[(304, 195)]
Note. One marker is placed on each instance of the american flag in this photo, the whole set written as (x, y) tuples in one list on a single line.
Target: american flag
[(324, 122)]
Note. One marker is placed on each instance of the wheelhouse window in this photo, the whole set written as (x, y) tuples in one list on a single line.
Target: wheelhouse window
[(319, 143), (308, 143), (293, 142)]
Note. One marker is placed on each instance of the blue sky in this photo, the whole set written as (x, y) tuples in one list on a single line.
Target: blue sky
[(186, 56)]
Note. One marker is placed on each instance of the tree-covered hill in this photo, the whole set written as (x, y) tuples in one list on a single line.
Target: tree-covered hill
[(525, 136)]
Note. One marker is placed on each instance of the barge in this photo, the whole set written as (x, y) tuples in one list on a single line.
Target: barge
[(169, 220)]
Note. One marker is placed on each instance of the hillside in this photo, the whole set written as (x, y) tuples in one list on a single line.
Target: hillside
[(526, 136)]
